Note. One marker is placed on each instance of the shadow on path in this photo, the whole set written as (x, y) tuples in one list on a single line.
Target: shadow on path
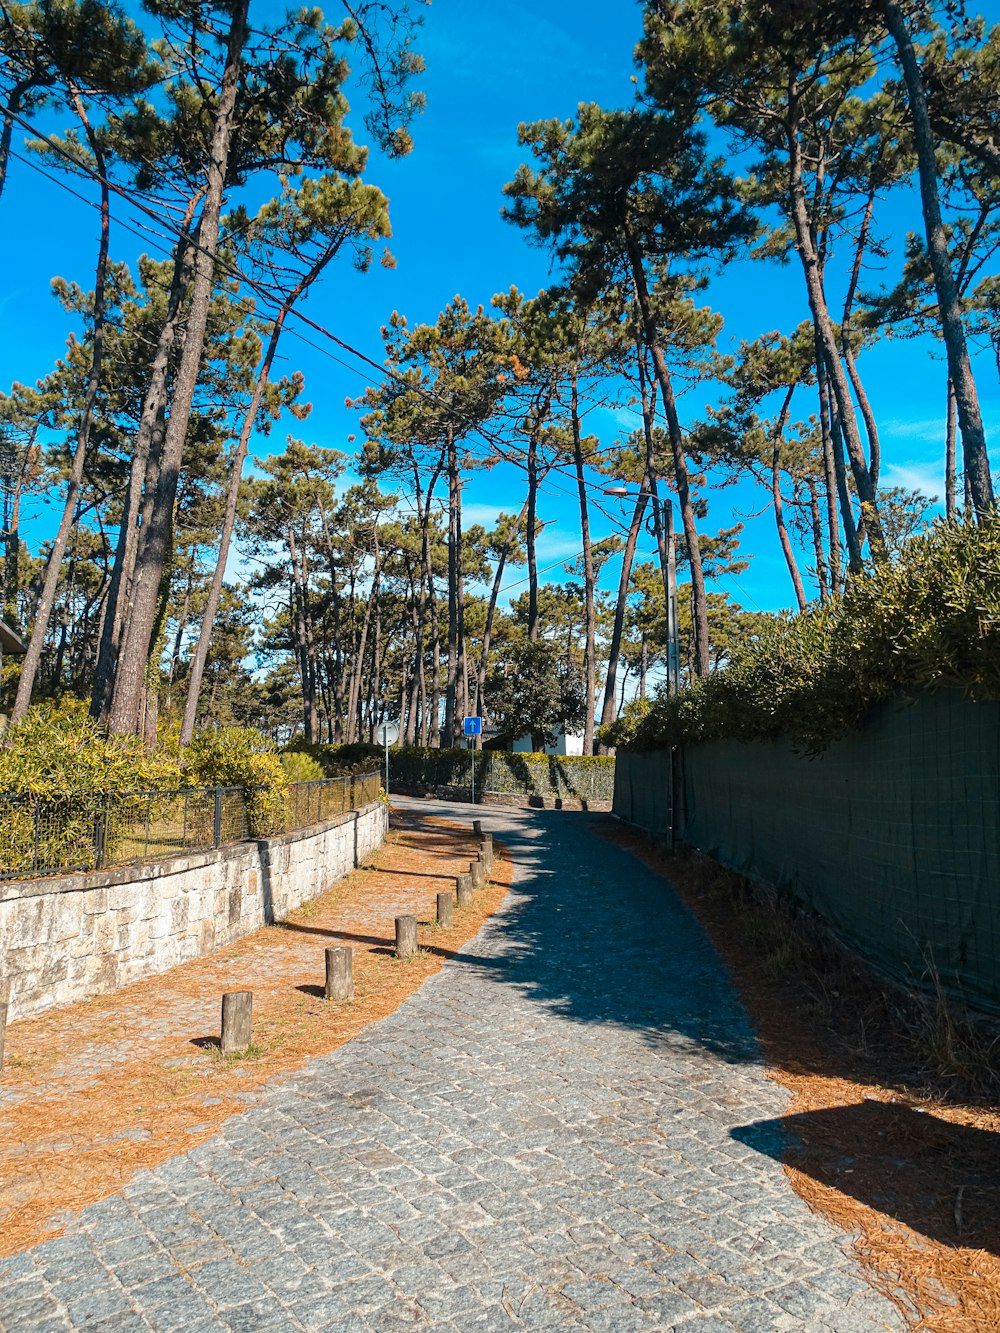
[(592, 934), (959, 1165)]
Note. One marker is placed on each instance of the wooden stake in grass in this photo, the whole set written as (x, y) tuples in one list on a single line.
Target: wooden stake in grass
[(406, 936), (339, 973), (477, 871), (4, 1006), (445, 915), (486, 851), (463, 890), (237, 1020)]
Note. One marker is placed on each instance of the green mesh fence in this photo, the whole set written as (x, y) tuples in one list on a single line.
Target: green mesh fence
[(892, 835)]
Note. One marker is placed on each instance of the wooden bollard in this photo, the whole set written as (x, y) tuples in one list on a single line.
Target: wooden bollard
[(477, 871), (339, 973), (406, 936), (237, 1020), (477, 827), (445, 915), (463, 890), (4, 1006), (486, 851)]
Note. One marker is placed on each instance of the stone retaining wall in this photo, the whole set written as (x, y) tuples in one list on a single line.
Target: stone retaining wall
[(67, 938)]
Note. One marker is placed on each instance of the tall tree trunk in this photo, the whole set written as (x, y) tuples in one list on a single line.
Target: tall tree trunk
[(12, 109), (156, 537), (201, 651), (531, 533), (484, 657), (681, 479), (976, 459), (590, 635), (817, 534), (951, 423), (823, 325), (454, 561), (32, 658), (12, 537), (621, 607), (864, 403), (354, 692), (838, 492), (779, 509)]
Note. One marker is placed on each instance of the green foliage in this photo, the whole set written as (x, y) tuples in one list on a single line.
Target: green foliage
[(57, 752), (335, 761), (58, 756), (930, 620), (301, 767), (573, 777), (533, 692), (242, 757), (622, 731)]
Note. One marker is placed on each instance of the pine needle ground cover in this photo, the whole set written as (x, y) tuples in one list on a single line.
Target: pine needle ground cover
[(892, 1131), (94, 1092)]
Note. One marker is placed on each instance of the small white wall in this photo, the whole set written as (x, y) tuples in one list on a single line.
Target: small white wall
[(64, 939), (564, 744)]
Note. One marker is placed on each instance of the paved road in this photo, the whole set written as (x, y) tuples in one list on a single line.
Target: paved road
[(557, 1131)]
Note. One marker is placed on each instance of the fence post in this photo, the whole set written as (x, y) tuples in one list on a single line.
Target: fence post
[(217, 818), (101, 834), (4, 1006), (354, 804)]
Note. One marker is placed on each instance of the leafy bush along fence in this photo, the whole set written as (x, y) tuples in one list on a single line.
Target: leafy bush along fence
[(930, 620), (44, 836)]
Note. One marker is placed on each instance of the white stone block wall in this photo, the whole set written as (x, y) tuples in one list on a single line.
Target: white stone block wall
[(69, 937)]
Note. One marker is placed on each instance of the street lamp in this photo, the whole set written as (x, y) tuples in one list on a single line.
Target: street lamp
[(664, 510)]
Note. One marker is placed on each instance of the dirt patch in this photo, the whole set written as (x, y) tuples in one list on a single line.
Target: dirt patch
[(93, 1092), (891, 1139)]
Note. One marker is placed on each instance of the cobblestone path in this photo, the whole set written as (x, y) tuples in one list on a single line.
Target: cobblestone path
[(557, 1131)]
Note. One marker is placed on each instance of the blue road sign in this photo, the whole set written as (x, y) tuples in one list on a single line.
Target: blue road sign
[(472, 726)]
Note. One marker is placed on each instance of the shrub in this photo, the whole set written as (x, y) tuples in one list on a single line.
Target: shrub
[(932, 619), (57, 752), (63, 766), (301, 767), (242, 757)]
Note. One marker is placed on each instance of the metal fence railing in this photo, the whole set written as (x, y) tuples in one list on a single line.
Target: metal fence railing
[(53, 836)]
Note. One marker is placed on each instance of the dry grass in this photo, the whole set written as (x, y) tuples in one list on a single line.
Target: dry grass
[(893, 1114), (94, 1092)]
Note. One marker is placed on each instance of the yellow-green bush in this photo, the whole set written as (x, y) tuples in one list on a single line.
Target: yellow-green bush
[(241, 757), (61, 768), (57, 752), (301, 767)]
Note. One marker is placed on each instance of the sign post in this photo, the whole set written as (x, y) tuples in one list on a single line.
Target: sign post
[(388, 734), (473, 727)]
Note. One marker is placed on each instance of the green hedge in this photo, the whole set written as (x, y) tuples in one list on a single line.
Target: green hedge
[(569, 777), (931, 619)]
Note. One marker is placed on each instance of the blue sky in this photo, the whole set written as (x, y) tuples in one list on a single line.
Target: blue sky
[(489, 67)]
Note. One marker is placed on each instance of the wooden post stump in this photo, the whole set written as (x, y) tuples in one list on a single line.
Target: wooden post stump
[(477, 827), (237, 1020), (486, 851), (4, 1007), (445, 915), (339, 973), (406, 936), (478, 873), (463, 890)]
